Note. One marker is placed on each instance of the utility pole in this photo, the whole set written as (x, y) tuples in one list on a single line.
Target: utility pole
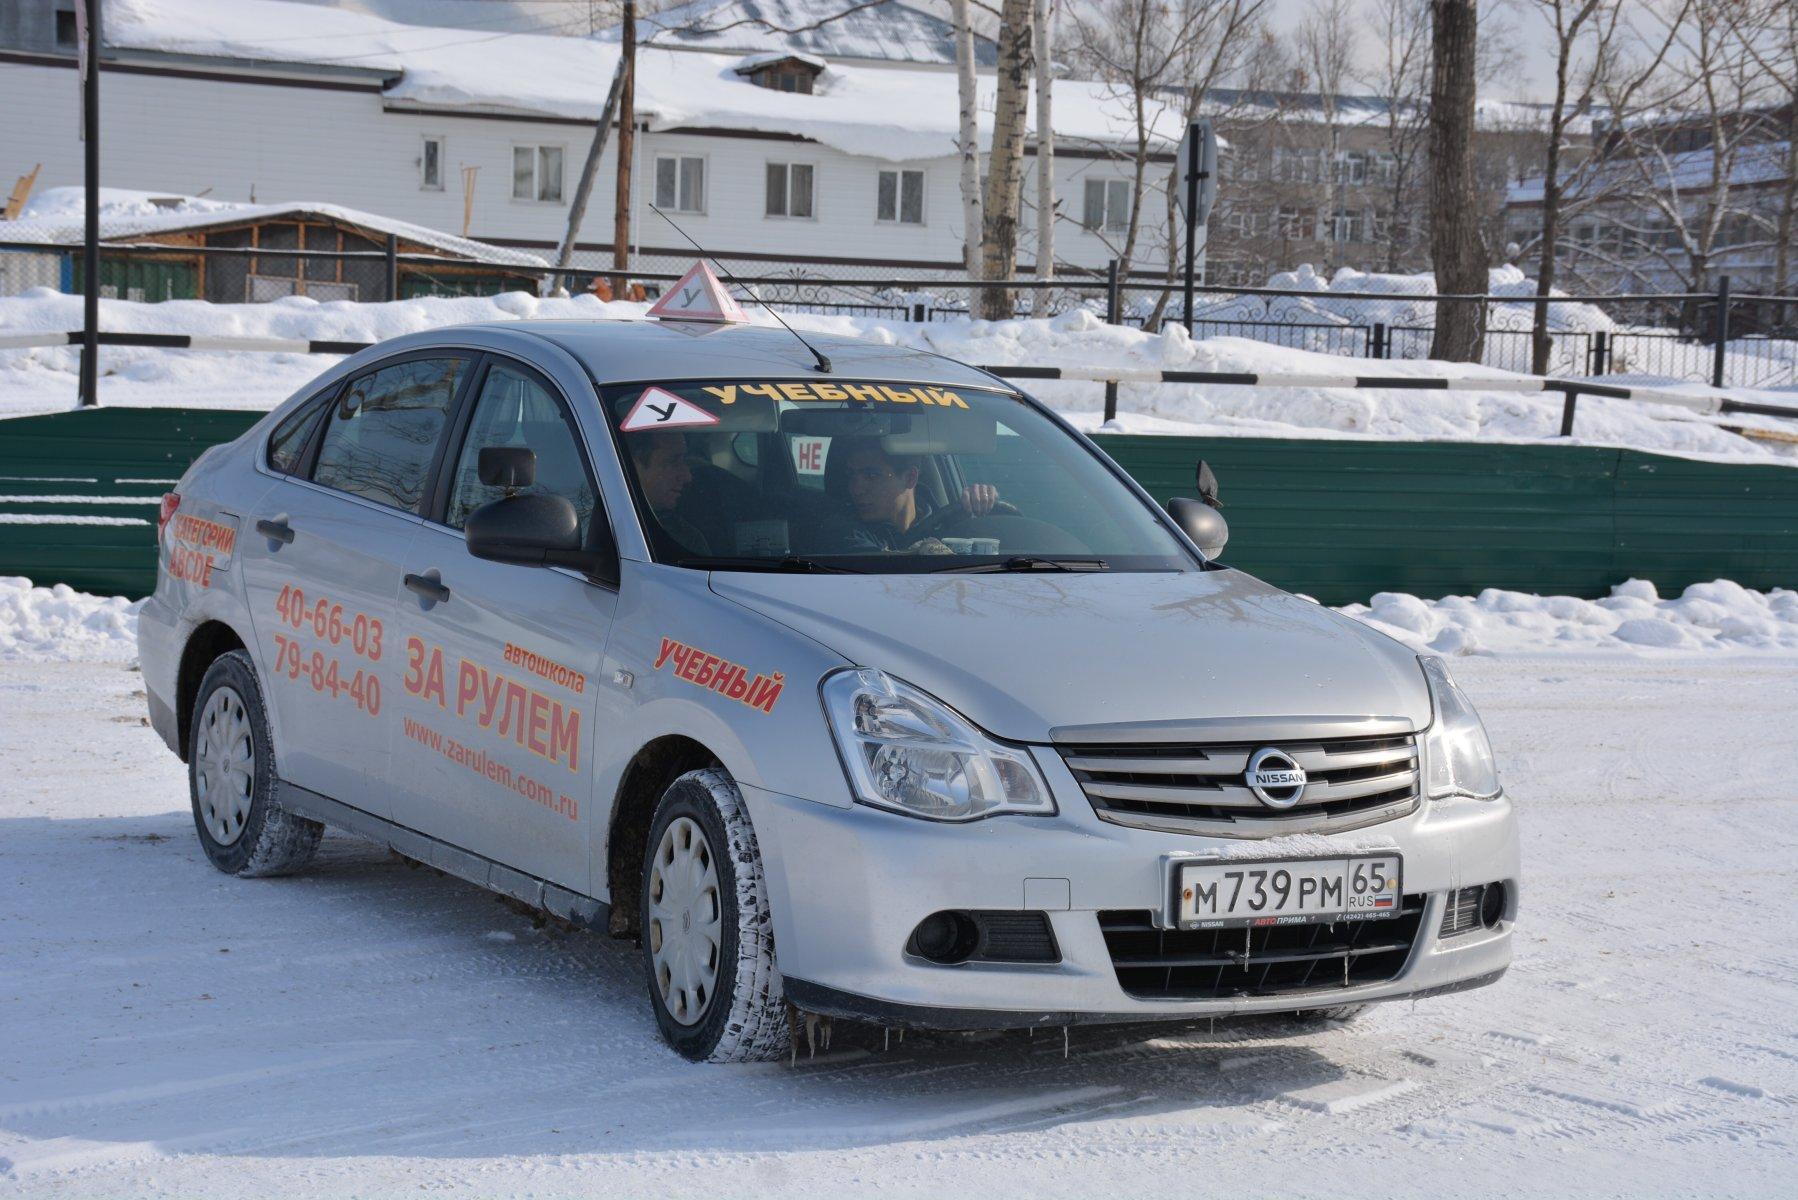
[(90, 249), (627, 128)]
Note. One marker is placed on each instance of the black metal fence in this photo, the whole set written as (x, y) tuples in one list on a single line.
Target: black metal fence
[(1718, 338)]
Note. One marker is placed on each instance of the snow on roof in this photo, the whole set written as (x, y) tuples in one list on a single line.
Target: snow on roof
[(54, 217), (877, 112), (1756, 163), (886, 32)]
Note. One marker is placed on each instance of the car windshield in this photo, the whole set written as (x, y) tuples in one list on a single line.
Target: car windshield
[(872, 477)]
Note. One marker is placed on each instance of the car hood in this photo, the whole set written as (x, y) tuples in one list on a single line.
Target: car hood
[(1022, 655)]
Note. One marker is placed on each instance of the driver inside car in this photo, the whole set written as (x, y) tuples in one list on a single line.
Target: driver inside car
[(663, 473), (883, 488)]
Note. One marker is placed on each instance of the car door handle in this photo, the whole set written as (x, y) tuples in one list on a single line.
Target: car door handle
[(428, 586), (278, 530)]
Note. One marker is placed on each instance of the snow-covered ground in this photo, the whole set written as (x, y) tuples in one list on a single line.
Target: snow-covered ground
[(43, 379), (370, 1030)]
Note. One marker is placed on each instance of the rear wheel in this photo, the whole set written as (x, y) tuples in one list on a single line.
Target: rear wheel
[(231, 778), (708, 939)]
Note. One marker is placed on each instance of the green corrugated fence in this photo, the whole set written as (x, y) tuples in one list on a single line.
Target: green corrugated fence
[(1336, 519)]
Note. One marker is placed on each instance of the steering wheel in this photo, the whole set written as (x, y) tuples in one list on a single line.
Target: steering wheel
[(1016, 534), (948, 520)]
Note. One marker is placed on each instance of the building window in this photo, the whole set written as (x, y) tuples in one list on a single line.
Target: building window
[(900, 197), (1351, 167), (537, 173), (1241, 222), (1107, 204), (430, 165), (1296, 224), (786, 79), (65, 29), (787, 74), (789, 190), (680, 183), (1346, 226)]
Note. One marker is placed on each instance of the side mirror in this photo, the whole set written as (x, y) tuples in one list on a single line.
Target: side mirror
[(531, 531), (1200, 522), (1207, 483)]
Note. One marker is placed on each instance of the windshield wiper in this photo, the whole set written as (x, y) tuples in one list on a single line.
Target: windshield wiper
[(791, 562), (1026, 562)]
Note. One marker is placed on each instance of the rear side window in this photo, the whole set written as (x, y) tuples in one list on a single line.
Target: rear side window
[(516, 409), (288, 443), (383, 432)]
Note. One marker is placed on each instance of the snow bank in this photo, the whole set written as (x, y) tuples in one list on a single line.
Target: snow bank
[(60, 624), (43, 380), (1408, 308), (1719, 615)]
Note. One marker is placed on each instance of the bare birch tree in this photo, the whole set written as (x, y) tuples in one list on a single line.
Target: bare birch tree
[(1003, 195), (1680, 209), (1400, 77), (968, 140), (1326, 51), (1769, 32), (1601, 58), (1161, 59), (1045, 156)]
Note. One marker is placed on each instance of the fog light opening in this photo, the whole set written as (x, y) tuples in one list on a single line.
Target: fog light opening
[(1492, 905), (946, 938)]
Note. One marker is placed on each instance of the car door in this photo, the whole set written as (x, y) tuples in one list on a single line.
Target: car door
[(322, 564), (494, 733)]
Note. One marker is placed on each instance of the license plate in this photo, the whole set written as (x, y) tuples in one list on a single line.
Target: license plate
[(1308, 891)]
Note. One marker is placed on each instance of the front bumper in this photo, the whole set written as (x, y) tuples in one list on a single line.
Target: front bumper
[(848, 886)]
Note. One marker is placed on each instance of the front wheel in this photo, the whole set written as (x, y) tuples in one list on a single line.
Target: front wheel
[(708, 939), (231, 778)]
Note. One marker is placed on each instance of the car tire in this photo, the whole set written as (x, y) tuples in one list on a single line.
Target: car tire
[(231, 778), (708, 938)]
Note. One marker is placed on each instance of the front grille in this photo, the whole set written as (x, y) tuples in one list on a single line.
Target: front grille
[(1271, 960), (1186, 788)]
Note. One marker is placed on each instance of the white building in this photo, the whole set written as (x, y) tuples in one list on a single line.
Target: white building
[(485, 133)]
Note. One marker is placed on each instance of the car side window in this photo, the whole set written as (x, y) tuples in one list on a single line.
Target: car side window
[(516, 408), (287, 444), (382, 433)]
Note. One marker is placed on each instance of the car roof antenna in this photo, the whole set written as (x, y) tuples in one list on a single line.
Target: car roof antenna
[(823, 361)]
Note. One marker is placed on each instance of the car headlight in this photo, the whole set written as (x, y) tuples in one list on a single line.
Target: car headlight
[(909, 752), (1457, 755)]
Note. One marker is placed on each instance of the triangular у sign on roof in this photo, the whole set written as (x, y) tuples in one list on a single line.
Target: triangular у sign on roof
[(659, 409), (698, 297)]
